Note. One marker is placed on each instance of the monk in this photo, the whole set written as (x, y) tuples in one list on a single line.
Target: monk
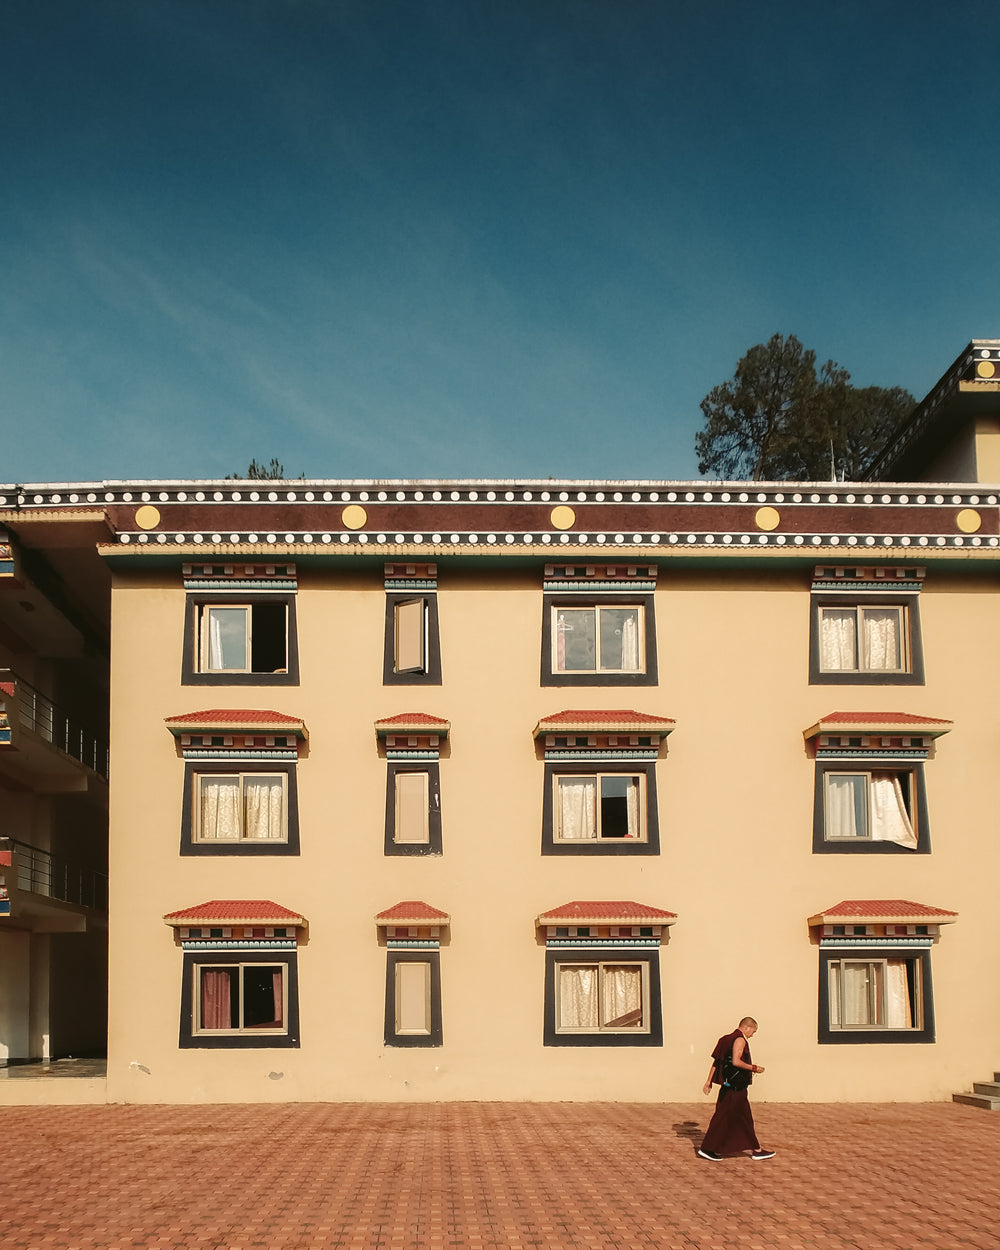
[(731, 1130)]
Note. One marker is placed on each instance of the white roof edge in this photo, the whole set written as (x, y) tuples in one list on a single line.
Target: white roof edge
[(546, 483)]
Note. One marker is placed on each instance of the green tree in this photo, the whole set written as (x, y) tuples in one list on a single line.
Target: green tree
[(273, 472), (780, 418)]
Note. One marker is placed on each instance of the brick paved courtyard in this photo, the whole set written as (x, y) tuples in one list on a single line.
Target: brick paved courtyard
[(481, 1175)]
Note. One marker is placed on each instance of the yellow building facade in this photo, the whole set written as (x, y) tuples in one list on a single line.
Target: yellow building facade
[(492, 790)]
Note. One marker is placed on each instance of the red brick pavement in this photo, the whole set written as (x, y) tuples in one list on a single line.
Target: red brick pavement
[(549, 1176)]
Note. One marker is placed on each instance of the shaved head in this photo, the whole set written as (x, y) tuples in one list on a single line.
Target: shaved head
[(748, 1020)]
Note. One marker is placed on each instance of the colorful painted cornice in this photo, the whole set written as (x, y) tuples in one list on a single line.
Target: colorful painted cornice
[(581, 521)]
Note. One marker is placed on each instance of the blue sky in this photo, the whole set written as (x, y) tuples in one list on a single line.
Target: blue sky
[(460, 238)]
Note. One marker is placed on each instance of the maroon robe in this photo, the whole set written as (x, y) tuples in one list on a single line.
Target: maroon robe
[(731, 1129)]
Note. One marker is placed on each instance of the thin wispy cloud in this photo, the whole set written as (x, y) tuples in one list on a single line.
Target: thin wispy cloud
[(401, 240)]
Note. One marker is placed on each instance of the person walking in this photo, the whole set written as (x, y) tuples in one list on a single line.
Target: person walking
[(731, 1130)]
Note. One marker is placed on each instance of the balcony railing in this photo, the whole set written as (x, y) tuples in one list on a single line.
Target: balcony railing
[(39, 872), (31, 710)]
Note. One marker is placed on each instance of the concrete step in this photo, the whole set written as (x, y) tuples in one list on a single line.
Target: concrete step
[(990, 1088), (985, 1101)]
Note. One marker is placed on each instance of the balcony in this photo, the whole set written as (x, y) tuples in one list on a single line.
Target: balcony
[(42, 892), (39, 741)]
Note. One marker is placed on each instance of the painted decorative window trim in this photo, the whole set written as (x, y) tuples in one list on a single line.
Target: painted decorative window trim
[(874, 745), (412, 646), (599, 586), (860, 587), (411, 744), (235, 592), (879, 934), (238, 741), (602, 744), (238, 934), (602, 936), (412, 933)]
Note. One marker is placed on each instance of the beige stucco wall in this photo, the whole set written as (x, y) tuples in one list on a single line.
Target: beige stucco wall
[(988, 449), (735, 801), (972, 454)]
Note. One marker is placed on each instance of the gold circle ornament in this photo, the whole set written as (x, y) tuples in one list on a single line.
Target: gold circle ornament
[(767, 518), (147, 517), (986, 369), (354, 516), (562, 518), (968, 520)]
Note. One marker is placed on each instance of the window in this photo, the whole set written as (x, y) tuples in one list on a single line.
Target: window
[(868, 996), (236, 806), (862, 639), (600, 812), (231, 810), (599, 639), (870, 795), (410, 636), (413, 810), (598, 806), (412, 646), (239, 997), (244, 641), (243, 999), (244, 638), (866, 642), (601, 642), (881, 809), (602, 998), (413, 998)]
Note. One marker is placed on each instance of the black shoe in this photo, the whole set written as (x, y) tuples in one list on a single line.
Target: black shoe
[(710, 1154), (762, 1154)]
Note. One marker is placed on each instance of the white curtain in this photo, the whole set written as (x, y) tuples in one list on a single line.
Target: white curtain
[(860, 994), (560, 629), (220, 807), (860, 805), (632, 799), (838, 644), (264, 805), (870, 993), (845, 805), (578, 997), (577, 807), (215, 660), (630, 642), (898, 1013), (833, 973), (881, 639), (227, 639), (622, 996), (576, 640), (889, 820)]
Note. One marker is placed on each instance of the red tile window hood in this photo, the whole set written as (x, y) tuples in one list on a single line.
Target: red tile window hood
[(412, 913), (410, 723), (412, 924), (896, 911), (888, 724), (236, 720), (235, 912), (620, 721), (606, 913)]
